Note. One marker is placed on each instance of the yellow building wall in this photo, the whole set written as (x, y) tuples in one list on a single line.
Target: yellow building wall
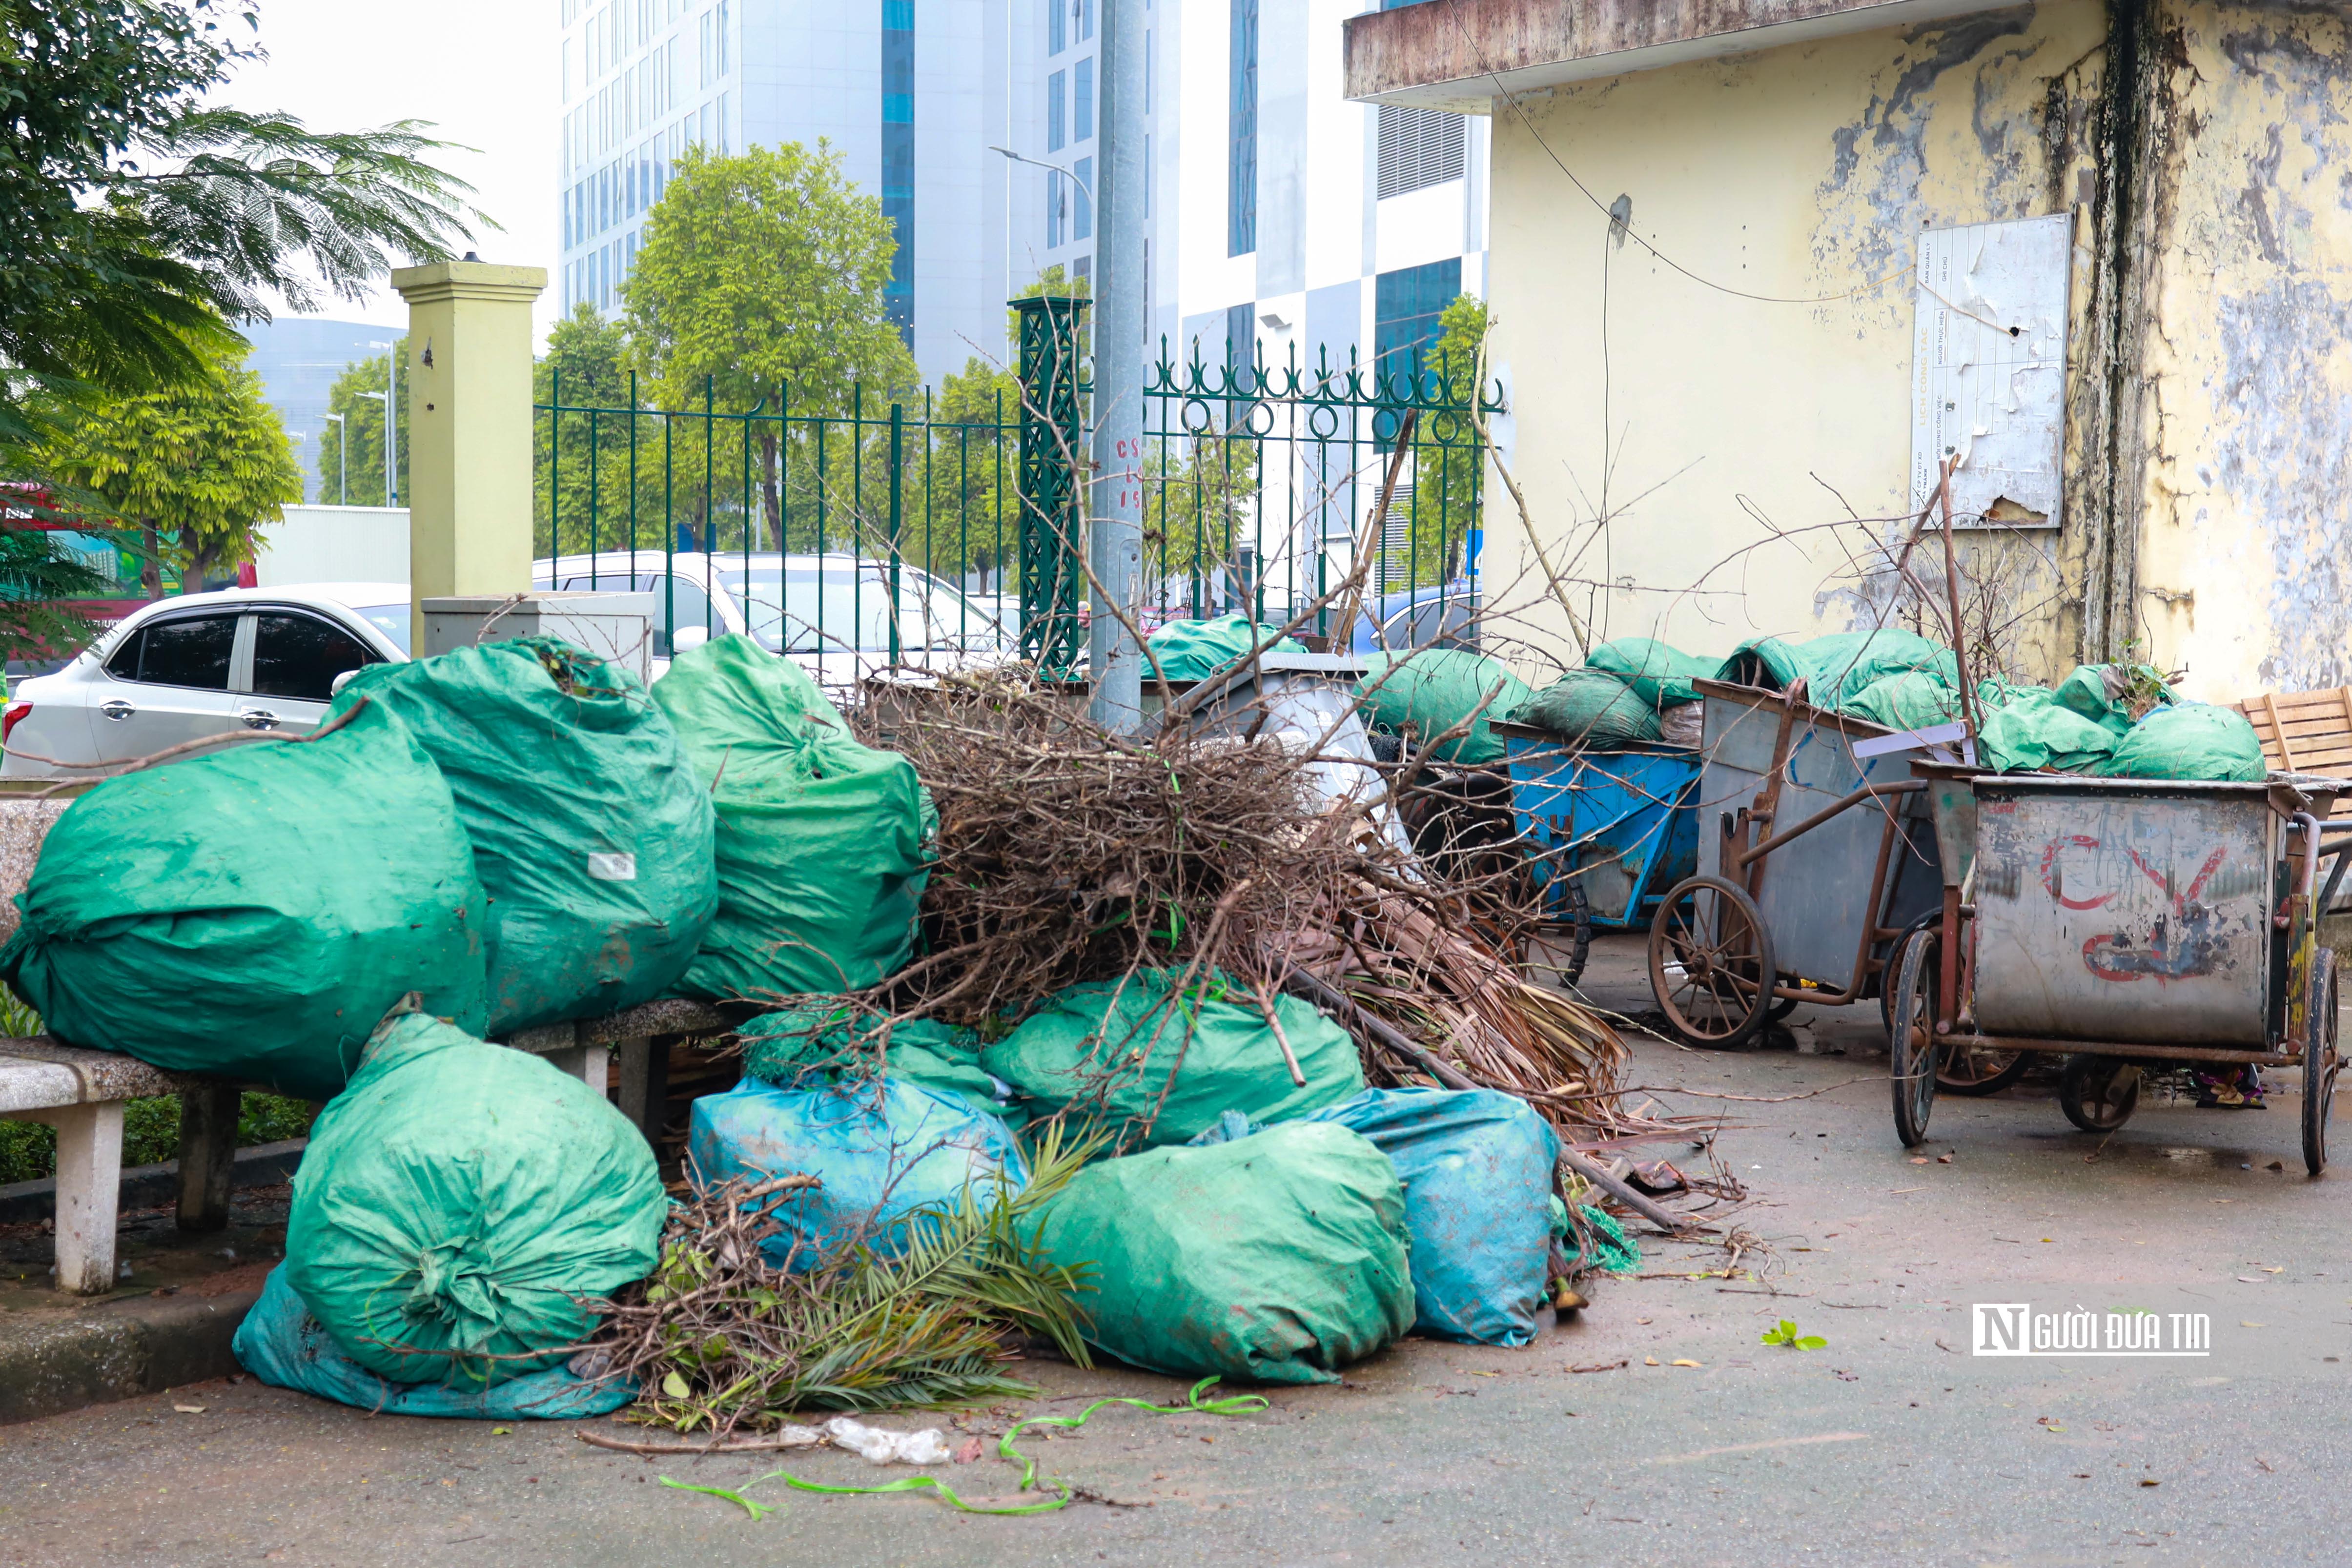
[(2245, 557), (1734, 400)]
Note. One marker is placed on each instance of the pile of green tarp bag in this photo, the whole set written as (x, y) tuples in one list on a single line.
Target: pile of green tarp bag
[(519, 833), (497, 838), (1234, 1223), (2085, 724)]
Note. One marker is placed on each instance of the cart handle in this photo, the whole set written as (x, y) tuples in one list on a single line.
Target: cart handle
[(2307, 826), (1907, 787)]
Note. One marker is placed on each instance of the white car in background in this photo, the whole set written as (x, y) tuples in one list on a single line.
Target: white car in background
[(202, 664), (830, 614)]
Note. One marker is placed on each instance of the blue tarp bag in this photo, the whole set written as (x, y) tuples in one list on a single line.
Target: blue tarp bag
[(282, 1344), (881, 1146), (1477, 1168)]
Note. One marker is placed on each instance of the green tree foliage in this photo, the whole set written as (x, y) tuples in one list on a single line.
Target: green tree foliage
[(579, 461), (141, 220), (760, 283), (1430, 544), (362, 434), (194, 468), (966, 478)]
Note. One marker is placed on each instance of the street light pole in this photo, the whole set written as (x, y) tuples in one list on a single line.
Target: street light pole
[(390, 433), (385, 399), (342, 459), (1115, 540)]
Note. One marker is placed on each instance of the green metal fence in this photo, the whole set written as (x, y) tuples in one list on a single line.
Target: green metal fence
[(1263, 486), (893, 528)]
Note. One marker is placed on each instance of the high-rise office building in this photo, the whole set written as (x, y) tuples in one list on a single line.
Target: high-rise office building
[(914, 93), (1277, 210), (298, 359)]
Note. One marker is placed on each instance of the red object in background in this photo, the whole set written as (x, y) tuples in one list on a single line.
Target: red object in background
[(9, 718), (247, 577)]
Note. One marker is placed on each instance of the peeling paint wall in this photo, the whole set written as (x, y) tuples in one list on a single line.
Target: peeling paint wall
[(2243, 572), (1734, 400)]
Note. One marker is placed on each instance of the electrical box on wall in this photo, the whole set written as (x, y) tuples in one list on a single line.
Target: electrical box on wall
[(1989, 371), (617, 627)]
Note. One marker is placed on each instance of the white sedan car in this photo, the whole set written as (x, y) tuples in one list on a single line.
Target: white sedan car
[(201, 664), (830, 614)]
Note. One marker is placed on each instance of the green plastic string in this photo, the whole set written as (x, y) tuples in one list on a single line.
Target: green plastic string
[(1231, 1405), (758, 1511)]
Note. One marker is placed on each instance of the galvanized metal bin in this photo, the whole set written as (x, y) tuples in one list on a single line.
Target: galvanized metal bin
[(1816, 893), (2118, 909)]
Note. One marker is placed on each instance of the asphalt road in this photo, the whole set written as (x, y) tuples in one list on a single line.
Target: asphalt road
[(1890, 1443)]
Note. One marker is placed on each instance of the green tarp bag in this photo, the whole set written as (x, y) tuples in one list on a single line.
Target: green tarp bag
[(2189, 740), (591, 834), (282, 1344), (2103, 693), (1913, 699), (1092, 1048), (1836, 667), (1436, 691), (252, 913), (822, 841), (798, 1045), (1279, 1257), (453, 1201), (1195, 650), (1660, 675), (2032, 731), (1592, 708)]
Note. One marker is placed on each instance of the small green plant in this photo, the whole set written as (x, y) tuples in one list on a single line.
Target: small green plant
[(1785, 1333)]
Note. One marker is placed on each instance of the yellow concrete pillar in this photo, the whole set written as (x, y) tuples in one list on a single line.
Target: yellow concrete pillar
[(469, 375)]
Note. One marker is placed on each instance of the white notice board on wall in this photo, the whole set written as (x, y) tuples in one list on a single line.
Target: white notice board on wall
[(1988, 370)]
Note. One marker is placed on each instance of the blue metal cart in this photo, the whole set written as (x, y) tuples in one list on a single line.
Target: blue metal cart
[(1607, 832)]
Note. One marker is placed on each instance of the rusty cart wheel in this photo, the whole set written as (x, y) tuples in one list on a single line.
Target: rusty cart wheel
[(1978, 1070), (1932, 920), (2098, 1094), (2319, 1059), (1971, 1070), (1911, 1041), (1711, 963)]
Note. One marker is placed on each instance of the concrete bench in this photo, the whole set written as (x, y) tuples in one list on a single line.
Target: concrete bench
[(82, 1092)]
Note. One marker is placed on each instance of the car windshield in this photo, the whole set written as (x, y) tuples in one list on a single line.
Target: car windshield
[(808, 609), (392, 620)]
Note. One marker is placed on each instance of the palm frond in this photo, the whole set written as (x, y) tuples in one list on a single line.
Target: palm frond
[(718, 1337), (263, 205)]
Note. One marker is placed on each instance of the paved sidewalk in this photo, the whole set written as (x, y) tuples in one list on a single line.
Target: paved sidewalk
[(1891, 1444)]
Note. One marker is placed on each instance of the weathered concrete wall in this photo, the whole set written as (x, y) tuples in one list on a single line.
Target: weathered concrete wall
[(2242, 572), (1735, 399)]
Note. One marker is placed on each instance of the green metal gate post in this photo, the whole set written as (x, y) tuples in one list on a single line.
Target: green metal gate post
[(1053, 443)]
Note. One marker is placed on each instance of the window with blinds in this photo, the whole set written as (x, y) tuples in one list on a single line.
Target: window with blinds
[(1419, 147)]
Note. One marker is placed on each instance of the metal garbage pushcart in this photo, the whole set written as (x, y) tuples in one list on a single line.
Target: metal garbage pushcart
[(2126, 924), (1605, 830), (1815, 852)]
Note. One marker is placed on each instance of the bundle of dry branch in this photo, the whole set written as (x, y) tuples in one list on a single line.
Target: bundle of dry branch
[(1066, 854)]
